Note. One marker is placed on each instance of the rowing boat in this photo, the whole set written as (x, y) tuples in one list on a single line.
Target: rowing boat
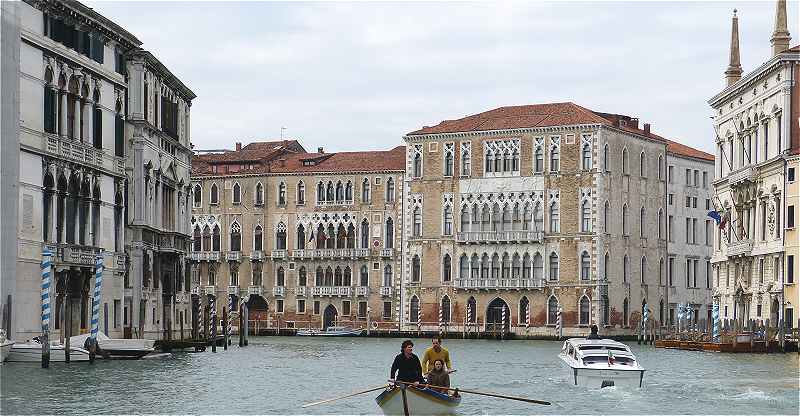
[(410, 400)]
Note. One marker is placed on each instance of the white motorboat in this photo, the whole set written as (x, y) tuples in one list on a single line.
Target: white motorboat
[(31, 351), (5, 345), (599, 363), (331, 331), (118, 348)]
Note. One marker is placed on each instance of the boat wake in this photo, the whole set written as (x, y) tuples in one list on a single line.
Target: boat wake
[(752, 394)]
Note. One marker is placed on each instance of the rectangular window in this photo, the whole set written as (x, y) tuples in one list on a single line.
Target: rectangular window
[(387, 310), (790, 216), (362, 310), (669, 173), (116, 313), (694, 230), (688, 273), (708, 204), (670, 226), (696, 178), (708, 232), (705, 180), (316, 307), (279, 306), (670, 268), (688, 202), (688, 177), (669, 199), (790, 268), (790, 175), (694, 202), (688, 230), (346, 307)]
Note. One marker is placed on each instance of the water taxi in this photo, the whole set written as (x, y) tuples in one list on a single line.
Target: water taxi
[(31, 351), (118, 348), (410, 400), (331, 331), (599, 363)]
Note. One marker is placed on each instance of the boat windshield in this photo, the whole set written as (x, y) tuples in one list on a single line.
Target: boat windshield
[(598, 359), (602, 347)]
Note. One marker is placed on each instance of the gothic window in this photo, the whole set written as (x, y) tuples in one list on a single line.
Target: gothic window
[(282, 194), (625, 269), (329, 238), (197, 240), (320, 193), (389, 243), (554, 214), (446, 268), (447, 220), (348, 192), (515, 267), (555, 154), (341, 237), (387, 275), (642, 165), (660, 168), (330, 194), (466, 158), (495, 266), (236, 237), (465, 219), (586, 216), (351, 236), (237, 193), (606, 217), (463, 267), (347, 279), (606, 166), (660, 224), (586, 157), (338, 277), (416, 164), (365, 196), (258, 239), (280, 277), (302, 278), (319, 277), (417, 217), (584, 310), (198, 196), (364, 233), (301, 237), (363, 279), (625, 219), (641, 222), (644, 268), (259, 194), (449, 150), (214, 195), (538, 157), (552, 310), (485, 266), (257, 269), (474, 267), (301, 193), (502, 156), (606, 261), (625, 170), (390, 190), (416, 272), (585, 266), (206, 239), (538, 217), (553, 267)]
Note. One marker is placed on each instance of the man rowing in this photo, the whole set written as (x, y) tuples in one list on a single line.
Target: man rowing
[(436, 352), (407, 365)]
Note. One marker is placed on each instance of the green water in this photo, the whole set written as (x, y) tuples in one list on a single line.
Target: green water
[(275, 375)]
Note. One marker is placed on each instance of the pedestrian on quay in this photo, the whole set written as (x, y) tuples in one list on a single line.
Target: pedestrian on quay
[(593, 334)]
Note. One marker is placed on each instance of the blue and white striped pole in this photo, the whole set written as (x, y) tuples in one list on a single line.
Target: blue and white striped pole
[(645, 317), (715, 323), (558, 322), (98, 283), (45, 295)]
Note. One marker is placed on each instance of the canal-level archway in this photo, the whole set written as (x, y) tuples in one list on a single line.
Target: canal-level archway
[(257, 310), (329, 317), (494, 316)]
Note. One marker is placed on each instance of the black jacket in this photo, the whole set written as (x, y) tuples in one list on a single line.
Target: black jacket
[(408, 369)]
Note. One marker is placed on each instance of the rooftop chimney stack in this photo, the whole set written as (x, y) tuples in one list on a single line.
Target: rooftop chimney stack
[(734, 71), (320, 150), (646, 128), (238, 146), (780, 37)]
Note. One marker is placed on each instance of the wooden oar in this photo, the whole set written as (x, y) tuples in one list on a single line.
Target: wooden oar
[(345, 396), (499, 396)]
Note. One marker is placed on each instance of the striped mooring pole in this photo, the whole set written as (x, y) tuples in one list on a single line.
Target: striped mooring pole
[(98, 283), (231, 305), (441, 320), (558, 322), (715, 323), (643, 324), (45, 293), (527, 316), (212, 303), (419, 319)]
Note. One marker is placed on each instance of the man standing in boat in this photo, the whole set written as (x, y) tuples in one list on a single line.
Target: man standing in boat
[(407, 365), (436, 352)]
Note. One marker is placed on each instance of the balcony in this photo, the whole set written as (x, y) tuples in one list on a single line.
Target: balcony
[(740, 248), (257, 255), (387, 290), (300, 291), (77, 254), (331, 291), (83, 153), (387, 252), (196, 290), (742, 175), (279, 291), (278, 254), (334, 203), (361, 252), (499, 236), (233, 290), (233, 256), (497, 283), (362, 291), (209, 290), (255, 290), (205, 256), (300, 254)]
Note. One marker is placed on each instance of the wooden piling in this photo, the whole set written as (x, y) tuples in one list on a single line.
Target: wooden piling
[(182, 317), (225, 328), (241, 324), (214, 332), (105, 318), (205, 325), (46, 349), (752, 335), (782, 335), (68, 327)]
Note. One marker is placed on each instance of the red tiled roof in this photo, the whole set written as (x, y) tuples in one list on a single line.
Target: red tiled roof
[(517, 117), (794, 49)]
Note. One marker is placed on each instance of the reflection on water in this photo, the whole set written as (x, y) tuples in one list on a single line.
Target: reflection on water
[(276, 375)]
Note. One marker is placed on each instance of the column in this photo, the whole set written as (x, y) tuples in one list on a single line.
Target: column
[(88, 122), (62, 110), (76, 122), (786, 116)]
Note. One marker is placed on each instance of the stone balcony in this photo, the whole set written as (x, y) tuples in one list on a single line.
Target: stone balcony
[(329, 253), (746, 174), (257, 255), (300, 291), (278, 254), (233, 256), (255, 290), (387, 291), (233, 290), (740, 248), (344, 291), (387, 252), (279, 291), (334, 203), (205, 256), (210, 290), (84, 153), (362, 291), (498, 283), (499, 236)]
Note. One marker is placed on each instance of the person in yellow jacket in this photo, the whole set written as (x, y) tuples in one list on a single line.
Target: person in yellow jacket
[(436, 352)]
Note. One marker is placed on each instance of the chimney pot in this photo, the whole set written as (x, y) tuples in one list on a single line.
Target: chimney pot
[(647, 128), (238, 146), (320, 150), (634, 122)]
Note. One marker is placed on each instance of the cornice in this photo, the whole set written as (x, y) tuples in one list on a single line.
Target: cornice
[(414, 138), (753, 76), (273, 174), (76, 11)]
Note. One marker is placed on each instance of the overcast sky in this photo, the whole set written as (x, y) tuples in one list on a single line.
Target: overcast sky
[(352, 76)]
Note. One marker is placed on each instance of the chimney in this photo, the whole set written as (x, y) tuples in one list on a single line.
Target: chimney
[(282, 162), (634, 122), (646, 128), (780, 37), (238, 146), (285, 143), (734, 71), (320, 150)]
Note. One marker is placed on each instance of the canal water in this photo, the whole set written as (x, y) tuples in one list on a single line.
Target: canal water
[(276, 375)]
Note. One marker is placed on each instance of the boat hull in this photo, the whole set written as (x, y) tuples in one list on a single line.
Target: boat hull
[(32, 352), (118, 348), (5, 348), (314, 333), (601, 377), (417, 402)]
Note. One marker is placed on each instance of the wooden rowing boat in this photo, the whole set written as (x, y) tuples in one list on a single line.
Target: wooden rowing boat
[(410, 400)]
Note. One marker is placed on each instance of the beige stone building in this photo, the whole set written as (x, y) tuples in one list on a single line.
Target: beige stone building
[(517, 212), (306, 239)]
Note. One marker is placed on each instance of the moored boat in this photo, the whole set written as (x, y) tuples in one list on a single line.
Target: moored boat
[(5, 345), (601, 363), (410, 400), (31, 351), (331, 331), (118, 348)]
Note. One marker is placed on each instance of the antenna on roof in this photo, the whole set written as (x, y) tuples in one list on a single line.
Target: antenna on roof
[(282, 129)]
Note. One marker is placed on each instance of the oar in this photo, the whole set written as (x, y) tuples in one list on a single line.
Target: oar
[(344, 397), (499, 396)]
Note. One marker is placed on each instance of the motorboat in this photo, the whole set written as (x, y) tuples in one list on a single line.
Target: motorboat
[(31, 351), (599, 363), (5, 345), (118, 348), (331, 331), (411, 400)]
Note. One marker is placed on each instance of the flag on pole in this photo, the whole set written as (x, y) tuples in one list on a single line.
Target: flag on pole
[(715, 216)]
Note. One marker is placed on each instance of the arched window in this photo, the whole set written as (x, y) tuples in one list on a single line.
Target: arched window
[(447, 221), (463, 267), (47, 205), (341, 237), (606, 165), (446, 268), (465, 219), (555, 157), (330, 237), (485, 266), (661, 312), (363, 276), (301, 237), (207, 239), (259, 194), (339, 192), (625, 219), (337, 276), (474, 267), (495, 266), (319, 278), (256, 280), (302, 279), (197, 195), (416, 271), (348, 276), (465, 161), (660, 168), (625, 269), (489, 162), (644, 268), (214, 195), (364, 233), (197, 240), (625, 170), (413, 310), (660, 224), (625, 312), (280, 236), (448, 163), (237, 193), (553, 267), (301, 193), (282, 194), (552, 310), (445, 308), (661, 272), (605, 266), (389, 243), (538, 160), (506, 226), (584, 310), (329, 193), (538, 217), (417, 165), (417, 216), (606, 217), (524, 313), (538, 269), (554, 223), (258, 239), (586, 157), (236, 237), (390, 190), (585, 266), (472, 307), (348, 192), (365, 196), (387, 275), (280, 277), (642, 165), (320, 193), (516, 267), (586, 216), (641, 222)]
